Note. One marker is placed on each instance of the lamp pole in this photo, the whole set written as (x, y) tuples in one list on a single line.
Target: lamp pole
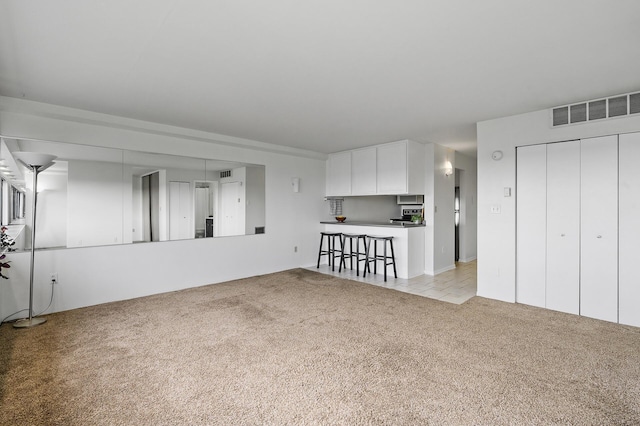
[(35, 167)]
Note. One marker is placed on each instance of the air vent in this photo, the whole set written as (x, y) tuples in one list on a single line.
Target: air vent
[(578, 113), (634, 103), (561, 116), (617, 106), (598, 109), (225, 173)]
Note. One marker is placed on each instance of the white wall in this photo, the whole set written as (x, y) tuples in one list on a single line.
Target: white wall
[(373, 208), (95, 275), (439, 205), (255, 199), (52, 197), (443, 229), (497, 232), (94, 203)]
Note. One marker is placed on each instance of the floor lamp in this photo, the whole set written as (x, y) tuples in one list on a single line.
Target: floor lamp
[(36, 162)]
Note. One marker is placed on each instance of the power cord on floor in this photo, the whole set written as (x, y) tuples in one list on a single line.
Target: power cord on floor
[(22, 310)]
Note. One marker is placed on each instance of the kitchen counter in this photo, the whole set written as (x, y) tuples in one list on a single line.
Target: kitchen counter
[(379, 224), (408, 243)]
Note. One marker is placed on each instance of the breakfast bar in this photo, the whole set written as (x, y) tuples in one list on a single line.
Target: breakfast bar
[(408, 243)]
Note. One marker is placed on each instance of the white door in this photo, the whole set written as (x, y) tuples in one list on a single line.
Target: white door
[(231, 218), (629, 235), (179, 228), (531, 209), (563, 227), (599, 228)]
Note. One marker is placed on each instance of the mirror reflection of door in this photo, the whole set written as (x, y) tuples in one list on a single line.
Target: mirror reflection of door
[(231, 220), (151, 207), (205, 203), (179, 212)]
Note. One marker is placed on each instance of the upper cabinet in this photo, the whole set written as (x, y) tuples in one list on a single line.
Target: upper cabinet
[(363, 171), (339, 174), (387, 169)]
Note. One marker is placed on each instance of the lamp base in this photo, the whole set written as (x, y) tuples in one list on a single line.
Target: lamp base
[(27, 323)]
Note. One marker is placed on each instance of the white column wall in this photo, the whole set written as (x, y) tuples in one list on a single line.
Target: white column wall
[(95, 275)]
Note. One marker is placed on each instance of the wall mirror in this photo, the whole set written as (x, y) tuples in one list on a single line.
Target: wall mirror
[(93, 196)]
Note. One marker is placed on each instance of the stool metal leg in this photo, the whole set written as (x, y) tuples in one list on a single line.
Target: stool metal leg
[(320, 249), (375, 256), (384, 261), (367, 247), (393, 259)]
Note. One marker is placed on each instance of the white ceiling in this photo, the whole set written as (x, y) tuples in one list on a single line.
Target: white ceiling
[(320, 75)]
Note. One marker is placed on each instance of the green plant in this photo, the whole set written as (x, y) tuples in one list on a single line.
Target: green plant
[(6, 242), (416, 218)]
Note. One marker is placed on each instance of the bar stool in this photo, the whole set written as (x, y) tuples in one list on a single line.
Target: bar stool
[(331, 252), (375, 258), (360, 256)]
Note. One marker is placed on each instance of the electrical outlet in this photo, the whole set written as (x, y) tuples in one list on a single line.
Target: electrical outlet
[(54, 278)]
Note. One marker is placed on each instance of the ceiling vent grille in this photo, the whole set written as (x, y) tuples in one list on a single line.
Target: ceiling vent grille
[(598, 109), (225, 174)]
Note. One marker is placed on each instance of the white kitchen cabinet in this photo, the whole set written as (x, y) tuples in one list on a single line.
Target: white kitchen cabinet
[(339, 174), (388, 169), (629, 234), (599, 228), (531, 225), (363, 171), (563, 227), (392, 168), (400, 168)]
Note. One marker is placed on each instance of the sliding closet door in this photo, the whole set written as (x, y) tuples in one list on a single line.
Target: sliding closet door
[(629, 266), (563, 227), (531, 224), (599, 228)]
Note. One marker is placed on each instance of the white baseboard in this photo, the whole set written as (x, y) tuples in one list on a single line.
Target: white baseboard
[(469, 259), (445, 269)]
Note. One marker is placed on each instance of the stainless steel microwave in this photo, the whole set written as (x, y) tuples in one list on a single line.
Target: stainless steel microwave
[(410, 199)]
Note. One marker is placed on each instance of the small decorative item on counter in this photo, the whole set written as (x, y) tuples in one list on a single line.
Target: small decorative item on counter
[(341, 218), (416, 218)]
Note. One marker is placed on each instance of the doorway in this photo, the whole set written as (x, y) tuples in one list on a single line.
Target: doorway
[(151, 207)]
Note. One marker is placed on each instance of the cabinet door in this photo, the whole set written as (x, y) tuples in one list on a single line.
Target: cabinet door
[(392, 168), (563, 227), (363, 171), (531, 212), (629, 234), (599, 228), (339, 174)]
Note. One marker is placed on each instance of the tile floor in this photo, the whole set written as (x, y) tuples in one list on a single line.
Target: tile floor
[(455, 286)]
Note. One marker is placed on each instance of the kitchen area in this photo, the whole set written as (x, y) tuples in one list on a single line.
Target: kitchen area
[(405, 190), (407, 230)]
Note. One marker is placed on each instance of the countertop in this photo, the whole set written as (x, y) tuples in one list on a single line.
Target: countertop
[(378, 224)]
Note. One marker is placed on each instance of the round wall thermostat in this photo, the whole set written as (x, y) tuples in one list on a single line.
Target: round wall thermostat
[(496, 155)]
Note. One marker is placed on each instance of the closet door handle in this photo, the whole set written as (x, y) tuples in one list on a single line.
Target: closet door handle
[(599, 236), (562, 235)]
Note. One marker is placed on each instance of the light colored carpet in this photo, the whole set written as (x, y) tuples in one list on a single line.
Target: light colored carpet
[(298, 347)]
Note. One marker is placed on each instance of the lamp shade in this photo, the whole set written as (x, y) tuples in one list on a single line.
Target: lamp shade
[(34, 159)]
